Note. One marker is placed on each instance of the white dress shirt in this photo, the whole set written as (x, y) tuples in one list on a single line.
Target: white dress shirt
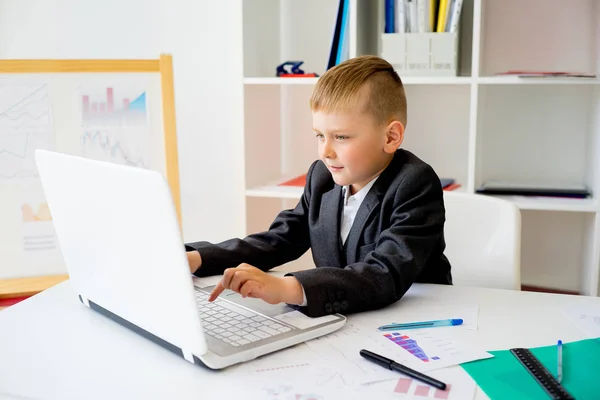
[(351, 205)]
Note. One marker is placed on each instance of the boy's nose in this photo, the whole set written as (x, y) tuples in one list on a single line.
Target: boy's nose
[(327, 150)]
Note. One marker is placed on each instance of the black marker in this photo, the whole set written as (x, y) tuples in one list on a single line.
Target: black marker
[(392, 365)]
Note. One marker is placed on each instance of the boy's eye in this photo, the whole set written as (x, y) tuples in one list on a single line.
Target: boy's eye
[(319, 136), (341, 137)]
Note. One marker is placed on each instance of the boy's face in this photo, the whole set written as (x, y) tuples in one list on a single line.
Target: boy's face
[(352, 146)]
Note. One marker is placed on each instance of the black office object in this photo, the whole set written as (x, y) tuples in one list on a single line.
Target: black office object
[(337, 32), (394, 366), (541, 374), (534, 189)]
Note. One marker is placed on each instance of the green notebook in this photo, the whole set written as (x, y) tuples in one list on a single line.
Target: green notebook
[(504, 377)]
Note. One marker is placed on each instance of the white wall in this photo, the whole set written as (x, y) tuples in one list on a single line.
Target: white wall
[(205, 39)]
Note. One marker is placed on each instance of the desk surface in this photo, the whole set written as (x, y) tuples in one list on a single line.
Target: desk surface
[(52, 347)]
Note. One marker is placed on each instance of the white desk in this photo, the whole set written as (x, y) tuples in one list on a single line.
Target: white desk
[(52, 347)]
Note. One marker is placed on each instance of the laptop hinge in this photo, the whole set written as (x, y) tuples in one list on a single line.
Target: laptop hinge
[(84, 300), (188, 355)]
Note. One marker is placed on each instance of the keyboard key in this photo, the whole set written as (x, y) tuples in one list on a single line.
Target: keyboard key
[(236, 309), (261, 334), (243, 342), (251, 337), (284, 329), (268, 330)]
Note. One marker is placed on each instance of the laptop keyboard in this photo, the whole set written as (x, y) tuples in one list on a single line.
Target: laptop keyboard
[(235, 325)]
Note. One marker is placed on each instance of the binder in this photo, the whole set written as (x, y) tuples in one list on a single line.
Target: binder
[(442, 13), (336, 37), (401, 16), (454, 16), (390, 14), (339, 45)]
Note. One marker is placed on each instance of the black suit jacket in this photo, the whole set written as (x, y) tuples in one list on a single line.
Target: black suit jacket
[(396, 239)]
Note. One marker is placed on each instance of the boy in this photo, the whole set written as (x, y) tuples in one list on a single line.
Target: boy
[(372, 214)]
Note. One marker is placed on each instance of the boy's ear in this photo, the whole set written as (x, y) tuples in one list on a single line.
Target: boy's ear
[(394, 136)]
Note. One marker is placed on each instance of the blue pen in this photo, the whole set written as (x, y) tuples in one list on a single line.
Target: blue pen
[(559, 359), (424, 324)]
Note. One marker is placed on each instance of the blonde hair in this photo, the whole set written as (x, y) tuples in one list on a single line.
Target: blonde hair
[(339, 90)]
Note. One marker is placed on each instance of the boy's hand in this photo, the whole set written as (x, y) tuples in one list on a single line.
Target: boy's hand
[(194, 260), (250, 281)]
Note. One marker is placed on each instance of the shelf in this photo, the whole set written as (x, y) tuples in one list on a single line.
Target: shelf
[(279, 81), (274, 191), (552, 203), (515, 80), (478, 144), (436, 80), (440, 80), (406, 80), (292, 192)]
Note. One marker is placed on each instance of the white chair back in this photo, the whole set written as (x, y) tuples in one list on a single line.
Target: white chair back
[(483, 240)]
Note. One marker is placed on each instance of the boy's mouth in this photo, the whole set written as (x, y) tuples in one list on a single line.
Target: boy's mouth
[(335, 169)]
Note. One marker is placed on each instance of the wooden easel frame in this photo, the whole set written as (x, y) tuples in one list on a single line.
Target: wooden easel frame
[(10, 288)]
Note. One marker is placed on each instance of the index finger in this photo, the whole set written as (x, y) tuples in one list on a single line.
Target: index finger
[(216, 291)]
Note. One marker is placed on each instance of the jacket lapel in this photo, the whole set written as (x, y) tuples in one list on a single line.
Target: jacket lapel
[(371, 204), (368, 206), (330, 215)]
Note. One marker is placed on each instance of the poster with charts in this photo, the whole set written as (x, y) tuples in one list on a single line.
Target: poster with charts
[(113, 117)]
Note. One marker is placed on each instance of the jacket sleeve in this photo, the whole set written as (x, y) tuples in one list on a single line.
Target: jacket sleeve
[(286, 240), (398, 256)]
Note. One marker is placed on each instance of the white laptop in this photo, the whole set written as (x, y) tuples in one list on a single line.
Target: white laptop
[(122, 246)]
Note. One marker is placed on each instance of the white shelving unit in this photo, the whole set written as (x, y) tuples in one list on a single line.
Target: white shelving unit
[(474, 127)]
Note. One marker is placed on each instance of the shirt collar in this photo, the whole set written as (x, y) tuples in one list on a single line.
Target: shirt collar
[(361, 194)]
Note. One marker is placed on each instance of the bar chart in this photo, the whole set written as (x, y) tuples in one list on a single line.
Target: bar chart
[(412, 387), (111, 106), (410, 345)]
